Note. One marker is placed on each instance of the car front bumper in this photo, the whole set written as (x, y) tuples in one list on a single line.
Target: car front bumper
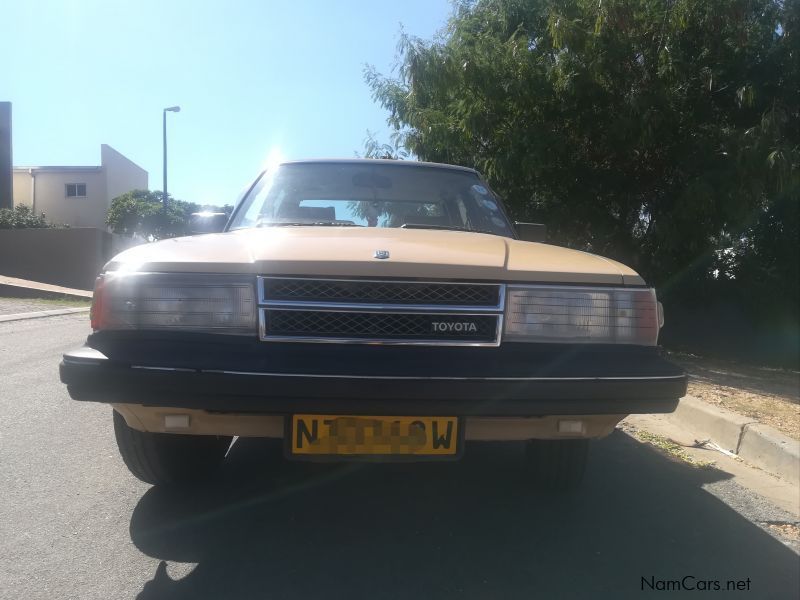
[(282, 379)]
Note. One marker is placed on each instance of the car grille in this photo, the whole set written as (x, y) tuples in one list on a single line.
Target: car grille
[(377, 311), (383, 292), (387, 326)]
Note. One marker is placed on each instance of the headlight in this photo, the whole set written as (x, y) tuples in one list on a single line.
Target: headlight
[(582, 314), (179, 301)]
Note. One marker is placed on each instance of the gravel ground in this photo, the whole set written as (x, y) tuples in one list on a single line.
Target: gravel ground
[(771, 396)]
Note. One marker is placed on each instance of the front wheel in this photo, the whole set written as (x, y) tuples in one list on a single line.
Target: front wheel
[(166, 458), (557, 465)]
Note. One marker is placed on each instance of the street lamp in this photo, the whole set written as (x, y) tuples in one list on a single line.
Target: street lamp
[(166, 110)]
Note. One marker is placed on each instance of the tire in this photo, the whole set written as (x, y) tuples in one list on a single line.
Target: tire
[(557, 465), (165, 458)]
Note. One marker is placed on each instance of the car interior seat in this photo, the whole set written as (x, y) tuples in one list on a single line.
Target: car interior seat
[(310, 213)]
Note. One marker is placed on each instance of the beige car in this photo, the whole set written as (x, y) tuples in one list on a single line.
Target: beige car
[(369, 310)]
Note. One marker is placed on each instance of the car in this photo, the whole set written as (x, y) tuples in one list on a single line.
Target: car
[(372, 310)]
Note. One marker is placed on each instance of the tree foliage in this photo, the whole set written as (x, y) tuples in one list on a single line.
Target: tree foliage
[(664, 133), (373, 148), (22, 217), (141, 212)]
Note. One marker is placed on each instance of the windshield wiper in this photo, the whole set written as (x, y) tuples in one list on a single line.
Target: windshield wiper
[(446, 228), (307, 224)]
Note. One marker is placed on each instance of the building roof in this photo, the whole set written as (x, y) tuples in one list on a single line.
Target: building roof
[(78, 168), (58, 169)]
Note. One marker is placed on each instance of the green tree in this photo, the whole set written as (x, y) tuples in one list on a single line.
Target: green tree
[(141, 212), (373, 148), (664, 133)]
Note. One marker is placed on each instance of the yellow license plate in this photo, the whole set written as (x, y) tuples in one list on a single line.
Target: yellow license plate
[(350, 435)]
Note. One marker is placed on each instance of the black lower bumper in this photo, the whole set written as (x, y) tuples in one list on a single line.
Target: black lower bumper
[(646, 385)]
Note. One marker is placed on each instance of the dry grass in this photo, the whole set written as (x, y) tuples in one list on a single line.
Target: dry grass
[(787, 530), (769, 396), (64, 301), (666, 445), (31, 304)]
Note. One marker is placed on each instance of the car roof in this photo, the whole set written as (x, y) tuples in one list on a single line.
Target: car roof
[(380, 161)]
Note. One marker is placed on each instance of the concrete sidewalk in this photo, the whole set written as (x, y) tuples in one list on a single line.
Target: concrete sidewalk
[(24, 288), (674, 440), (753, 442)]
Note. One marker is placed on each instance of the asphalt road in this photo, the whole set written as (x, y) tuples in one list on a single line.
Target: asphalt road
[(75, 524)]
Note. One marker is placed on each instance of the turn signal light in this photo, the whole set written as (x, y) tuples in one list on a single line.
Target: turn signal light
[(96, 312)]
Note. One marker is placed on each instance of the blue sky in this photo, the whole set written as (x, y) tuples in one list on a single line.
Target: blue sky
[(253, 78)]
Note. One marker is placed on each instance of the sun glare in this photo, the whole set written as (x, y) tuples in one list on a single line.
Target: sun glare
[(274, 158)]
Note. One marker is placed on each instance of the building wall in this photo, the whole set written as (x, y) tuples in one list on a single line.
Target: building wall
[(6, 178), (115, 176), (51, 197), (68, 257), (122, 174), (22, 188)]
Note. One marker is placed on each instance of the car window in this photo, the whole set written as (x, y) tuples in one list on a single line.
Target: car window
[(377, 195)]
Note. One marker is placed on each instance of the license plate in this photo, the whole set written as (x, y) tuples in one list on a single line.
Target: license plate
[(374, 436)]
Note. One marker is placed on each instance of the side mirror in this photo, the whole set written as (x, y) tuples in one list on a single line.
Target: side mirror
[(207, 222), (531, 232)]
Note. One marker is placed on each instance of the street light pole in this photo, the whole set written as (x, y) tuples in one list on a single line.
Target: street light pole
[(166, 110)]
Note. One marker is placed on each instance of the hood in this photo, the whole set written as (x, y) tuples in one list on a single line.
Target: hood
[(350, 252)]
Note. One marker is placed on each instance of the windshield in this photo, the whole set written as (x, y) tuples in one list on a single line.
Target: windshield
[(372, 195)]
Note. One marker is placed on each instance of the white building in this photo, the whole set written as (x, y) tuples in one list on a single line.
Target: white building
[(78, 196)]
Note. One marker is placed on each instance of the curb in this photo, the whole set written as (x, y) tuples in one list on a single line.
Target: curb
[(722, 426), (753, 442), (24, 288), (42, 313), (771, 450)]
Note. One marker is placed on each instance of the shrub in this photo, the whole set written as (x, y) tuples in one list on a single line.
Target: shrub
[(22, 217)]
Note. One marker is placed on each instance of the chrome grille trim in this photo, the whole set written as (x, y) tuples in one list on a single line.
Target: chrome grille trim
[(403, 287), (433, 311), (424, 308)]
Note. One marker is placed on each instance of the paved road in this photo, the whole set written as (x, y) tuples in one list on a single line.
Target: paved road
[(74, 524)]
